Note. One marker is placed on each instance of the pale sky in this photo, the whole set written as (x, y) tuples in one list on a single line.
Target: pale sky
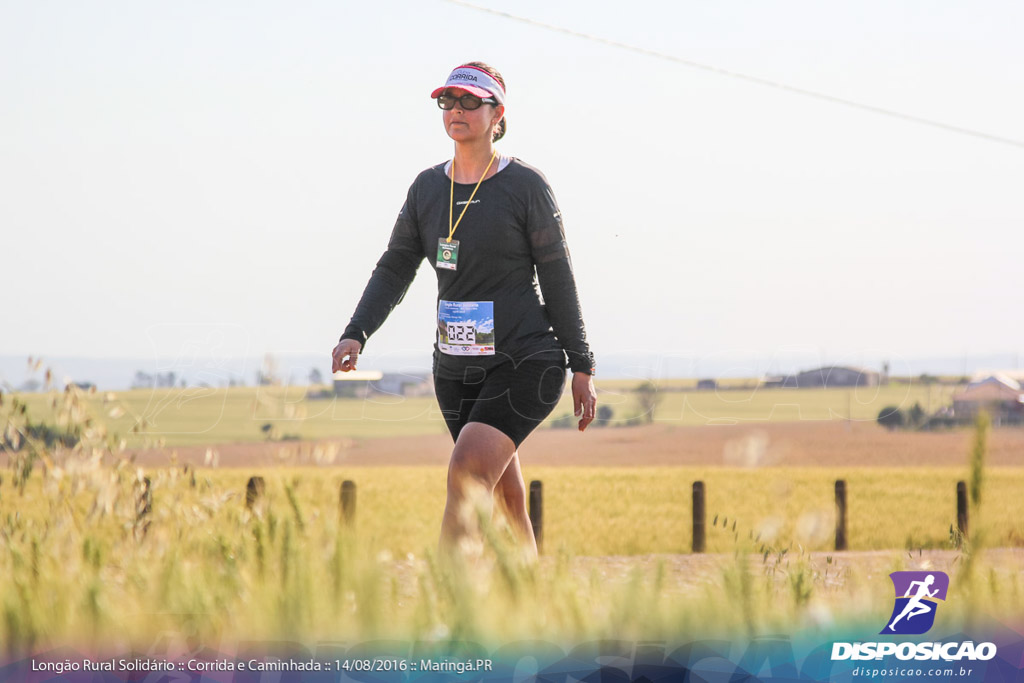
[(222, 177)]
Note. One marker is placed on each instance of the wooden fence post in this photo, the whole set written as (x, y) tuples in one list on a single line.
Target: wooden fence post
[(254, 490), (537, 512), (840, 514), (699, 517), (961, 510), (348, 502)]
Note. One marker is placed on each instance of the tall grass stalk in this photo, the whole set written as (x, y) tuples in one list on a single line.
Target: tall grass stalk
[(968, 579), (979, 454)]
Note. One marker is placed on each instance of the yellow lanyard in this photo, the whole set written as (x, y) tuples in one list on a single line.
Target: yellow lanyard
[(451, 199)]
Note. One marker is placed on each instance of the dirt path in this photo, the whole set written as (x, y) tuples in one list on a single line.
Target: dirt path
[(793, 444), (686, 574)]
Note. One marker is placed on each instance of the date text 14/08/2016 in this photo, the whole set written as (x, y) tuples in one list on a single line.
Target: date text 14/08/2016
[(458, 667), (193, 665)]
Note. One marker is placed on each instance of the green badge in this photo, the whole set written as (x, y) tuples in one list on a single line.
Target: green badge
[(447, 254)]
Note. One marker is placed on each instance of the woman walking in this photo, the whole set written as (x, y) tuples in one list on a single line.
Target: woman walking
[(508, 314)]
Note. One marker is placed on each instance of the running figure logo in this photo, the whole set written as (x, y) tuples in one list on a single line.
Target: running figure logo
[(916, 599)]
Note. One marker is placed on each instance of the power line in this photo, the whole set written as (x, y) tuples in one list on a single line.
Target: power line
[(750, 79)]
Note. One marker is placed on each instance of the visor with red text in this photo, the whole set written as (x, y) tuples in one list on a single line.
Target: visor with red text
[(475, 81)]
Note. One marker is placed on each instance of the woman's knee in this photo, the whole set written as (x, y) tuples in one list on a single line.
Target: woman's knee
[(479, 456), (467, 468), (464, 469)]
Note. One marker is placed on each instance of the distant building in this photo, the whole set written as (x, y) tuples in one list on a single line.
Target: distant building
[(1016, 375), (707, 384), (837, 376), (355, 384), (363, 383), (825, 377), (404, 384), (999, 395)]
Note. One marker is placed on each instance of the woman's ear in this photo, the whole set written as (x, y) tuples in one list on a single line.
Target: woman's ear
[(499, 114)]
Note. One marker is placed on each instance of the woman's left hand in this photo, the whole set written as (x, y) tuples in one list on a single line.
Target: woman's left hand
[(584, 398)]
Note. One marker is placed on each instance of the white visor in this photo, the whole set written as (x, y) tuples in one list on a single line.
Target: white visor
[(473, 80)]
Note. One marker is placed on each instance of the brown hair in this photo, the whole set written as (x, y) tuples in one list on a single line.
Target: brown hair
[(499, 131)]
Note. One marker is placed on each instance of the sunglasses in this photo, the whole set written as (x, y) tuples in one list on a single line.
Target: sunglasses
[(468, 102)]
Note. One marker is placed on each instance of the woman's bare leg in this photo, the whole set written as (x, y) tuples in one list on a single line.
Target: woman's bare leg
[(511, 491), (481, 455)]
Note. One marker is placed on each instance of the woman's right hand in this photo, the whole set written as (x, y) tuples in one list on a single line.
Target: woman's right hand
[(345, 355)]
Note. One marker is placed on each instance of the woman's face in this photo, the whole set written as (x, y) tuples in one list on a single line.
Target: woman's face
[(465, 125)]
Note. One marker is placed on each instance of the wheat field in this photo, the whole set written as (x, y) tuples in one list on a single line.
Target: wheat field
[(99, 551)]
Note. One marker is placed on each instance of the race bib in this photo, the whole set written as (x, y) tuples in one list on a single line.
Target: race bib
[(465, 328)]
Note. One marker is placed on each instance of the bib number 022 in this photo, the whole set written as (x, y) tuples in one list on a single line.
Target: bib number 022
[(461, 333)]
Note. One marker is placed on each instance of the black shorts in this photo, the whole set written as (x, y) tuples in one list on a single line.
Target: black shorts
[(511, 397)]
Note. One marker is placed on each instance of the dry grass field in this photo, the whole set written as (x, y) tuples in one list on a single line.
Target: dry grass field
[(88, 564), (116, 543)]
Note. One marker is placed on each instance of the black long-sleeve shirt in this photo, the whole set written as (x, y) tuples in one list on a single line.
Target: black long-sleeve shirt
[(511, 252)]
